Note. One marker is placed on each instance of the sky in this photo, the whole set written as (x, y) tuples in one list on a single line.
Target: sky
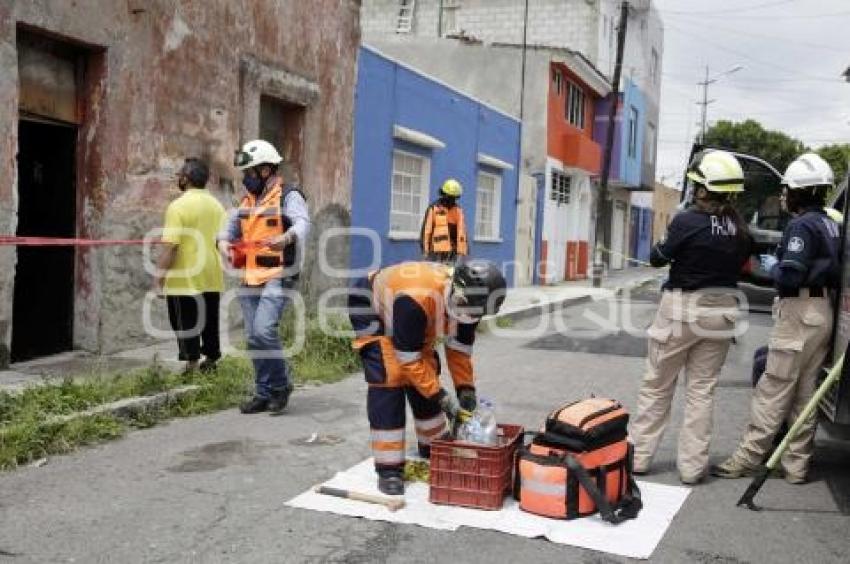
[(793, 53)]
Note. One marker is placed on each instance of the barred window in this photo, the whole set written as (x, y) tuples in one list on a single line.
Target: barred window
[(560, 191), (409, 196)]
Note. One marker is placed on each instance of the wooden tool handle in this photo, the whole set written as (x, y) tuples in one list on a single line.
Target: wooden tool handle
[(391, 504)]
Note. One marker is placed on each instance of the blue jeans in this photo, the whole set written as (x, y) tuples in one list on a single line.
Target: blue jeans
[(262, 308)]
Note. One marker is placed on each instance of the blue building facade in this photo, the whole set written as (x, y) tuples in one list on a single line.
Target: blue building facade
[(411, 133)]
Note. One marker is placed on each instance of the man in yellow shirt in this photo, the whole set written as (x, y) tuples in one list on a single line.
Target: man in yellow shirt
[(189, 270)]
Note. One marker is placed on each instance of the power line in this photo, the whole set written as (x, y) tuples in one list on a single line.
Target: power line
[(750, 33), (762, 17), (737, 10), (749, 57)]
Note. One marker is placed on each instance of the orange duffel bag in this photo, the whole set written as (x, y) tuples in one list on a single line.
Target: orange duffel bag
[(580, 463)]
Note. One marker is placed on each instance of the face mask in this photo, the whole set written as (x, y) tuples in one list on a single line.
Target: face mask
[(253, 184)]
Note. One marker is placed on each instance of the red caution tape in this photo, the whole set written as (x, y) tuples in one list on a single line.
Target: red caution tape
[(6, 240), (68, 242)]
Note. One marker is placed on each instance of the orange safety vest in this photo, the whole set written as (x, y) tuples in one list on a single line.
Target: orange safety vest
[(436, 235), (260, 220), (425, 283)]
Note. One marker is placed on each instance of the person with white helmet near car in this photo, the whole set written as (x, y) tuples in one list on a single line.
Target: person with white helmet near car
[(805, 271), (706, 244), (266, 235)]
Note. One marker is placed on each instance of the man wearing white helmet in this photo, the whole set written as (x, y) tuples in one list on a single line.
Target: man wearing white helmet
[(705, 246), (266, 236), (805, 271)]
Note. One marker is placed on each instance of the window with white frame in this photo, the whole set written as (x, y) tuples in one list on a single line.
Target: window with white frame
[(633, 126), (409, 195), (575, 105), (488, 205), (561, 185), (450, 17)]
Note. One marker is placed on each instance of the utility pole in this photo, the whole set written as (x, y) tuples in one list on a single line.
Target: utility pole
[(603, 223), (705, 102)]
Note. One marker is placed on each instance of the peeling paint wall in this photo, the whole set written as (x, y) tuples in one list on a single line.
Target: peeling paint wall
[(170, 79)]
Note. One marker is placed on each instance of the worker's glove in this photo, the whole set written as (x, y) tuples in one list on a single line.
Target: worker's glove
[(453, 410), (768, 262), (467, 399)]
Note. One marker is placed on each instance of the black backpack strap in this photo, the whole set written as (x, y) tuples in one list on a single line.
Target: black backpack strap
[(627, 508)]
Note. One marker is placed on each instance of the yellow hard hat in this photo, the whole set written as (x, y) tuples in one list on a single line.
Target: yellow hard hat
[(718, 171), (835, 215), (452, 187)]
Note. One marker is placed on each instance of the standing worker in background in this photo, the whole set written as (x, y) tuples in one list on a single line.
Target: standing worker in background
[(397, 314), (270, 227), (705, 245), (805, 271), (189, 268), (443, 236)]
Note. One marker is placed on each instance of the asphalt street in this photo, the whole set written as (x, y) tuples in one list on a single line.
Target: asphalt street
[(211, 489)]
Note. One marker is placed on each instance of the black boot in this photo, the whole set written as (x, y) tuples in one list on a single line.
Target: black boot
[(279, 399), (254, 405), (391, 483)]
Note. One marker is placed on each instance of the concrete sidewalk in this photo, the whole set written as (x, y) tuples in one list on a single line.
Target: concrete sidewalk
[(529, 301), (520, 303)]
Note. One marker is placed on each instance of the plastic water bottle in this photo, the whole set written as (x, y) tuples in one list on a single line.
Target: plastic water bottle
[(489, 430)]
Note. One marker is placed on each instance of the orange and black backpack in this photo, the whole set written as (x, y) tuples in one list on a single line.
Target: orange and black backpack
[(580, 463)]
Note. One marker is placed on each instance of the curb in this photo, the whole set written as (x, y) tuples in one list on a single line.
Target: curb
[(551, 307), (541, 309), (127, 407)]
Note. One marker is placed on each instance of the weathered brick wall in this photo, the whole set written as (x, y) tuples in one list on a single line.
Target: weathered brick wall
[(168, 85)]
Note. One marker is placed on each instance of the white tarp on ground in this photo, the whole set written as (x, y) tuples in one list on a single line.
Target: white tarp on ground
[(636, 538)]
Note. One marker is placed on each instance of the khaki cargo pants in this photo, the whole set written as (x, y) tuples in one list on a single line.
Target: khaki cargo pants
[(798, 347), (692, 330)]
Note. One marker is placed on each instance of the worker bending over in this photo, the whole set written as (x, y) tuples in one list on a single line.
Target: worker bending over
[(398, 313)]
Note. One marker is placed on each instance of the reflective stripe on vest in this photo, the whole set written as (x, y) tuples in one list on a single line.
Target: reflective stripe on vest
[(262, 220)]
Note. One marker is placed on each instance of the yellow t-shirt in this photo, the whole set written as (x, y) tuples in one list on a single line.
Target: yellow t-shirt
[(192, 222)]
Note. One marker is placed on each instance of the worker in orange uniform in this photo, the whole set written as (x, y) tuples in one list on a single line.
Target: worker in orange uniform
[(266, 236), (397, 314), (443, 229)]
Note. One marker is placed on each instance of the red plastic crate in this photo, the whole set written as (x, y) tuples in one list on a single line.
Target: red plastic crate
[(473, 475)]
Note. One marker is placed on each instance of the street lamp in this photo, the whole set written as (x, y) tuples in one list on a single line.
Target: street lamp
[(705, 101)]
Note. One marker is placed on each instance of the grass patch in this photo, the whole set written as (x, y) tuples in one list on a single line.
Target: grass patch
[(324, 357), (29, 429)]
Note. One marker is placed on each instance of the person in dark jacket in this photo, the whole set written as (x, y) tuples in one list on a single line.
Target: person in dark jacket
[(705, 246), (805, 270)]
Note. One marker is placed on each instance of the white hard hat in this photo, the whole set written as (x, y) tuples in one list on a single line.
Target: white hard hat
[(255, 153), (808, 171), (718, 171)]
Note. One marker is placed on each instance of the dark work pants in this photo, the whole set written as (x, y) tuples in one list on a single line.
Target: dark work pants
[(195, 321)]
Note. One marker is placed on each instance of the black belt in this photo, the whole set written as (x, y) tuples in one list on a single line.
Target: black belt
[(814, 292)]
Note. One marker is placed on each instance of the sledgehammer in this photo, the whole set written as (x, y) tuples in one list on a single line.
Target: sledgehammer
[(760, 477), (391, 504)]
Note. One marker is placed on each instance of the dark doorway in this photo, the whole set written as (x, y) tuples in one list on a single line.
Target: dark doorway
[(43, 309), (282, 125)]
